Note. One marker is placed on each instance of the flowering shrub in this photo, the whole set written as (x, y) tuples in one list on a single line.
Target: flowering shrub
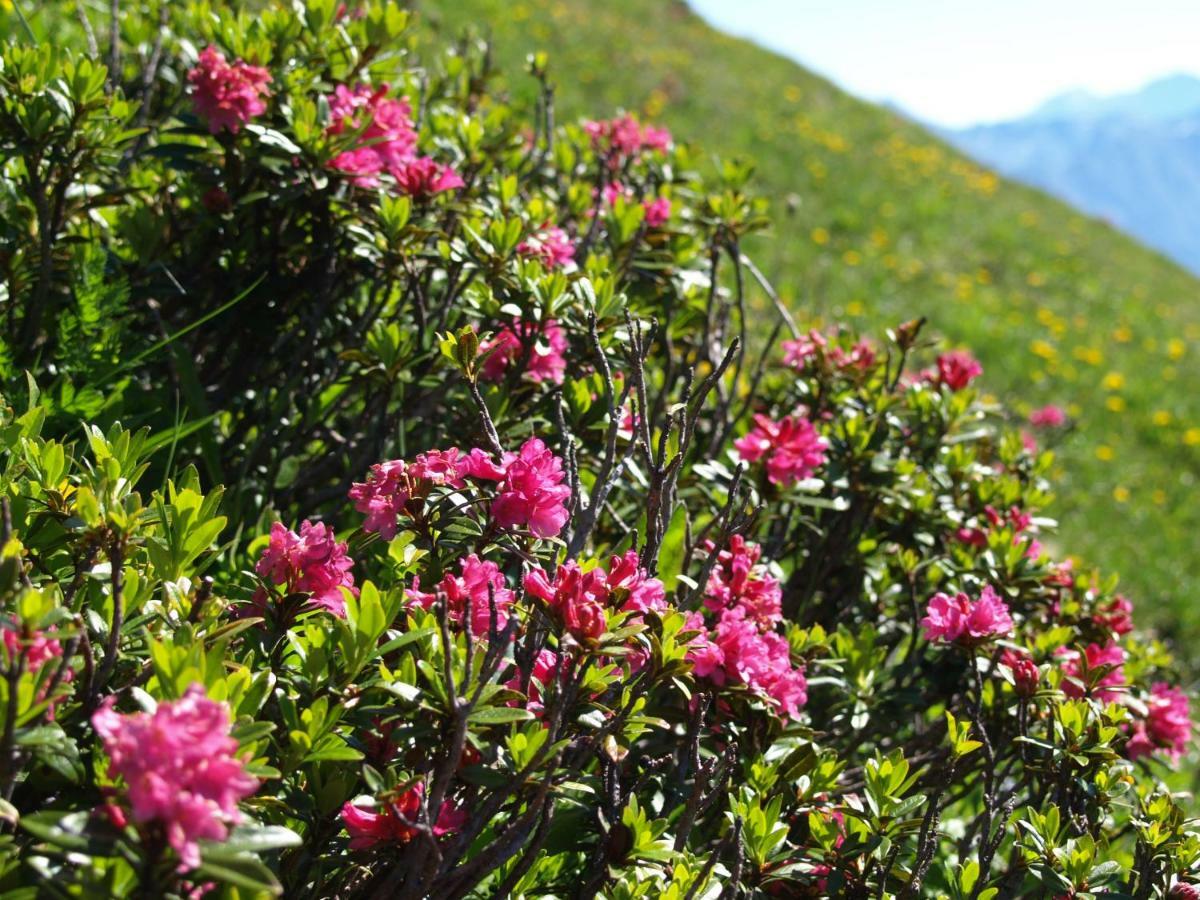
[(600, 586)]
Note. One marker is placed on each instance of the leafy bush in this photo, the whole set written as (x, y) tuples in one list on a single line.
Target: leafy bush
[(541, 576)]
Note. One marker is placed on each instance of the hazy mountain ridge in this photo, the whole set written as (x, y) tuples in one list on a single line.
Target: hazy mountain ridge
[(1132, 159)]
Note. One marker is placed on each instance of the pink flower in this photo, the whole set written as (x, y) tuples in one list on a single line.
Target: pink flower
[(384, 130), (542, 675), (738, 581), (815, 347), (630, 588), (539, 346), (311, 562), (1182, 890), (972, 537), (792, 447), (551, 245), (422, 177), (35, 646), (705, 655), (1049, 416), (1074, 683), (1116, 615), (38, 649), (960, 620), (396, 488), (658, 212), (227, 95), (531, 490), (622, 138), (576, 597), (798, 352), (1167, 726), (386, 142), (761, 662), (479, 583), (613, 190), (957, 369), (179, 767), (1024, 671), (397, 819)]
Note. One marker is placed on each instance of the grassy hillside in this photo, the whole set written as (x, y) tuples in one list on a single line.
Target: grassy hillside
[(876, 220)]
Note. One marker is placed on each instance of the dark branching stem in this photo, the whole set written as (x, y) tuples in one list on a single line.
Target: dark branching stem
[(116, 558)]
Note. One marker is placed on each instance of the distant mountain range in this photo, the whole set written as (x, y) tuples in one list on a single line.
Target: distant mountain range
[(1132, 159)]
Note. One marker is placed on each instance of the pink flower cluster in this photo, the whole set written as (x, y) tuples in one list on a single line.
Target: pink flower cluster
[(1024, 671), (1050, 416), (657, 211), (1116, 615), (387, 142), (1107, 686), (738, 581), (1167, 726), (479, 584), (966, 622), (551, 245), (227, 94), (396, 488), (530, 490), (791, 446), (179, 767), (37, 648), (743, 648), (580, 599), (624, 137), (544, 671), (814, 348), (312, 562), (397, 819), (544, 359), (956, 370)]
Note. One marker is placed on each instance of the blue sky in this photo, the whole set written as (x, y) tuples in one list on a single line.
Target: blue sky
[(957, 63)]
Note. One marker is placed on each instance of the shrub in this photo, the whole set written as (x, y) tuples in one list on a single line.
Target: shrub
[(576, 580)]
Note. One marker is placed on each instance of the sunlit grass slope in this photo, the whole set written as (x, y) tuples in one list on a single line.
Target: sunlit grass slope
[(878, 221)]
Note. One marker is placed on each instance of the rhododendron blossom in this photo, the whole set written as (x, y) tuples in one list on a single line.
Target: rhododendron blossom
[(1050, 416), (737, 580), (739, 652), (179, 767), (957, 369), (386, 142), (623, 137), (423, 177), (531, 490), (961, 620), (312, 562), (227, 95), (1167, 726), (792, 448), (1116, 615), (815, 346), (35, 648), (397, 820), (575, 596), (630, 588), (543, 672), (395, 488), (1024, 671), (479, 584), (658, 212), (1105, 688), (551, 245), (541, 346)]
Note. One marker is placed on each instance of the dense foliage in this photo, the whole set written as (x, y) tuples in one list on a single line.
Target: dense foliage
[(873, 216), (543, 569)]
